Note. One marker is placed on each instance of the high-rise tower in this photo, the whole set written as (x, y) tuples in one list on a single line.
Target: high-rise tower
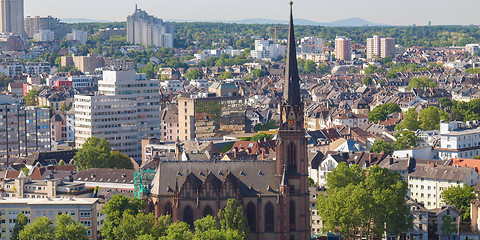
[(292, 150), (11, 17)]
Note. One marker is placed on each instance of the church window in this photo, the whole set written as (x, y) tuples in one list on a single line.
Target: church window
[(207, 211), (269, 217), (188, 216), (292, 215), (251, 217), (168, 209), (292, 166)]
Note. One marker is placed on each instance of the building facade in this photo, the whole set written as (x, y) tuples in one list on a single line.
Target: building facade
[(11, 17), (126, 110), (149, 30), (33, 25), (343, 48), (457, 140), (380, 47), (23, 130), (274, 193)]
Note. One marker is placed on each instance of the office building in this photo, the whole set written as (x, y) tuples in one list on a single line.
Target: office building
[(33, 25), (24, 130), (380, 47), (125, 110), (11, 17), (149, 30), (343, 48)]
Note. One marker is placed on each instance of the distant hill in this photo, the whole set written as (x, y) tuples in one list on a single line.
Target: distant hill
[(350, 22), (80, 20)]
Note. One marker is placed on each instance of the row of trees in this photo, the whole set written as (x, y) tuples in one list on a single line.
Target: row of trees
[(404, 140), (42, 228), (462, 111), (428, 119), (126, 221)]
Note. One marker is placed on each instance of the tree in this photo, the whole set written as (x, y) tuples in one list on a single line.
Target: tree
[(20, 223), (97, 153), (405, 140), (423, 82), (380, 113), (40, 229), (142, 224), (381, 195), (114, 209), (448, 226), (178, 231), (31, 98), (67, 228), (232, 218), (430, 117), (272, 124), (309, 67), (225, 75), (367, 80), (194, 74), (260, 136), (460, 197), (382, 146), (122, 161), (410, 121), (258, 73)]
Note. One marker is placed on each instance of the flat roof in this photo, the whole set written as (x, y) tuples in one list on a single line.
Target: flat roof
[(49, 201)]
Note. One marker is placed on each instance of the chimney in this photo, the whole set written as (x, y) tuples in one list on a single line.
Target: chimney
[(235, 152), (370, 158), (391, 160), (432, 164)]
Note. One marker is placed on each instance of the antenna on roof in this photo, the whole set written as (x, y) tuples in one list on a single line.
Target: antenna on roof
[(136, 8)]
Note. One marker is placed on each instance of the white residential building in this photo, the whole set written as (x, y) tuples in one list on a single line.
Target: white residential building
[(428, 181), (78, 35), (81, 81), (125, 110), (312, 45), (149, 30), (172, 85), (267, 49), (44, 35), (458, 141)]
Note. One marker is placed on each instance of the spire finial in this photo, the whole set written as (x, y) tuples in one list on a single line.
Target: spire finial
[(291, 3)]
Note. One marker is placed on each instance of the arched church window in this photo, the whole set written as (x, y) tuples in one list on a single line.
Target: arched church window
[(269, 217), (292, 166), (188, 216), (167, 210), (207, 211), (292, 215), (251, 217)]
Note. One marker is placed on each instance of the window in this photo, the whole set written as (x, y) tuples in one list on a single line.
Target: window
[(292, 215), (188, 216), (207, 211), (251, 217), (269, 217)]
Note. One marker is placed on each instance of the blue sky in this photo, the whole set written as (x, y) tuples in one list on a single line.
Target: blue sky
[(405, 12)]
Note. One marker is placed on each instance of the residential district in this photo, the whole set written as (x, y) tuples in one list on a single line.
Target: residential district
[(84, 126)]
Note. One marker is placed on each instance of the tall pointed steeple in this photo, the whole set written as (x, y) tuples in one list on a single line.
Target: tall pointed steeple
[(291, 88)]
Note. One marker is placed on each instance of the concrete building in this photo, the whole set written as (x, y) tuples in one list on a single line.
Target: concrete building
[(37, 68), (457, 140), (169, 123), (44, 36), (149, 30), (343, 48), (125, 110), (33, 25), (472, 48), (208, 116), (85, 64), (172, 85), (267, 49), (118, 64), (380, 47), (83, 210), (312, 45), (11, 17), (77, 35), (24, 130)]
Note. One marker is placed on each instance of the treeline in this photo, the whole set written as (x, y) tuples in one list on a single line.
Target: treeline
[(208, 35)]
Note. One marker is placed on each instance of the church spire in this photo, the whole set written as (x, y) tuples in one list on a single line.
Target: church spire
[(291, 92)]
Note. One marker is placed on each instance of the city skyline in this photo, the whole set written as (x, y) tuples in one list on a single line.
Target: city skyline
[(375, 11)]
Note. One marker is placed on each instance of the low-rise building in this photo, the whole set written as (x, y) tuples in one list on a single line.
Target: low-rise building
[(458, 140)]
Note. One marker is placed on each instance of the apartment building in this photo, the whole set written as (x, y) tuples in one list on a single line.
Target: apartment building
[(149, 30), (380, 47), (458, 140), (343, 48), (83, 210), (427, 182), (125, 110), (24, 130), (33, 25), (85, 64), (11, 17)]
